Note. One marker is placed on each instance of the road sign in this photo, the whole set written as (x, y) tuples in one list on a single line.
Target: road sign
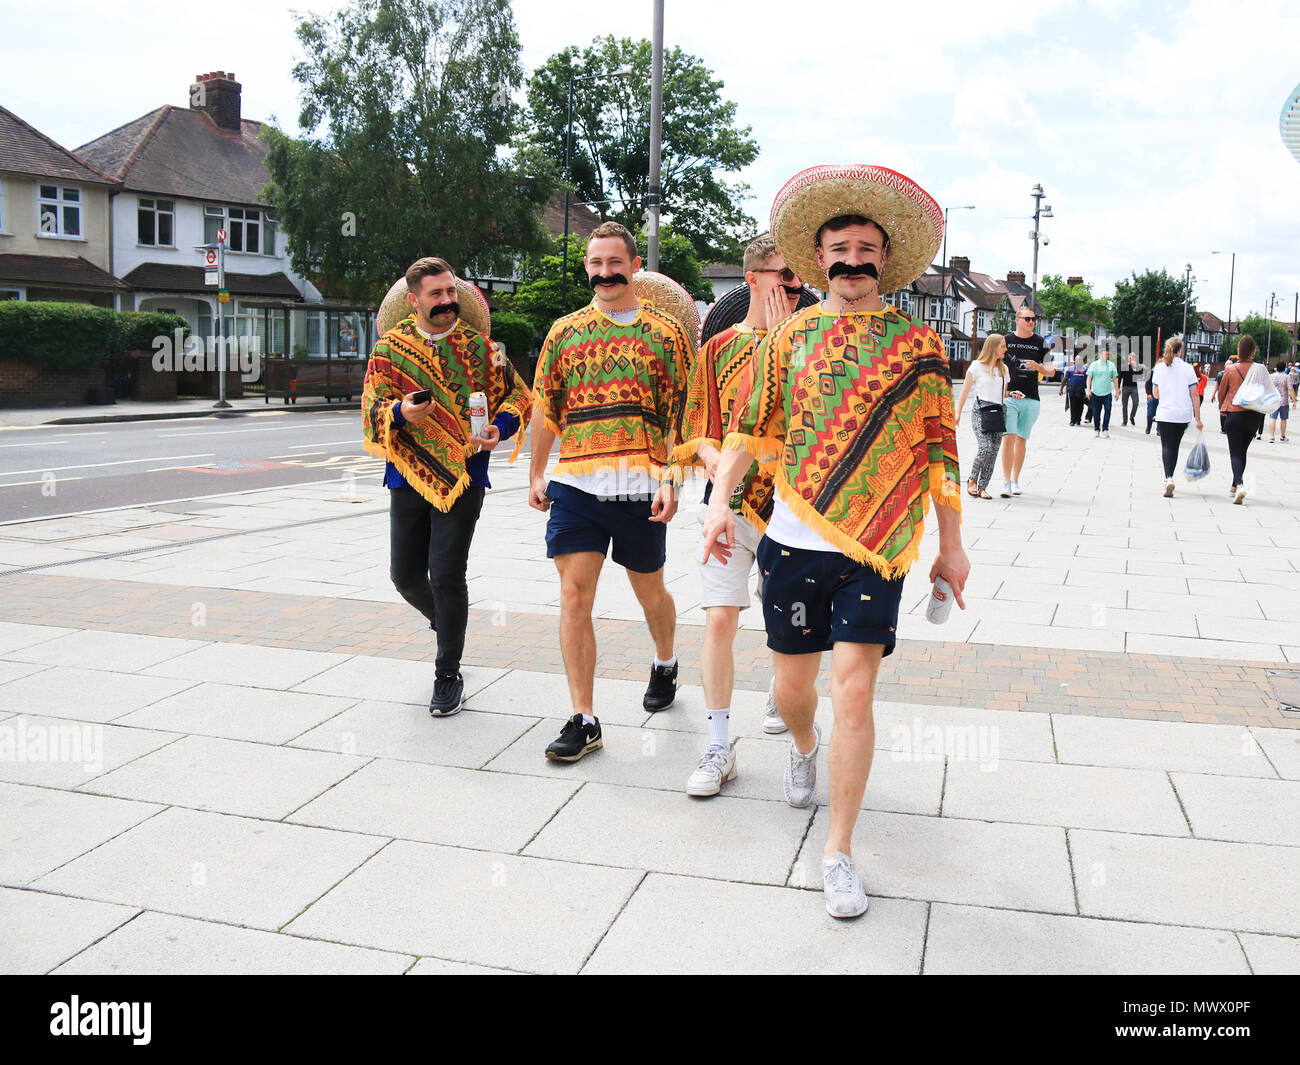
[(223, 296), (221, 236), (210, 276), (211, 257)]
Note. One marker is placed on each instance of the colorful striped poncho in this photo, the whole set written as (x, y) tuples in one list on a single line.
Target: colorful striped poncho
[(721, 381), (431, 456), (857, 410), (613, 393)]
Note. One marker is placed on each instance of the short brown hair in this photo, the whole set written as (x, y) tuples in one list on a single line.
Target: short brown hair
[(615, 229), (760, 250), (843, 221), (429, 266), (1246, 346)]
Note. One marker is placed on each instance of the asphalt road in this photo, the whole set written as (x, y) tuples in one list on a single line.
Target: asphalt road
[(65, 469)]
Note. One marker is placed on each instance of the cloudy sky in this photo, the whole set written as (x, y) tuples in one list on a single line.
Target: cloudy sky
[(1153, 126)]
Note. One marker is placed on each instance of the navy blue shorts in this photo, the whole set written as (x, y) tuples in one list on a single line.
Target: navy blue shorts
[(580, 521), (812, 599)]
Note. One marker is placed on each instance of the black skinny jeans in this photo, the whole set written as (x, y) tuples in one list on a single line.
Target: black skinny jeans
[(1241, 427), (1077, 399), (1171, 435), (1128, 404), (429, 554)]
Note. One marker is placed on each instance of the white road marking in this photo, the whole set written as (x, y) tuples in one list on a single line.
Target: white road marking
[(97, 465)]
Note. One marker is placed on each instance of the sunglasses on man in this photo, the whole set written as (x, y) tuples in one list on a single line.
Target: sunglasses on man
[(787, 275), (1028, 318)]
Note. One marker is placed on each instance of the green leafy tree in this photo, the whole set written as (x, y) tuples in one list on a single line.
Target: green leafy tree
[(1075, 305), (677, 259), (408, 111), (1149, 303), (1259, 327), (1004, 319), (611, 140)]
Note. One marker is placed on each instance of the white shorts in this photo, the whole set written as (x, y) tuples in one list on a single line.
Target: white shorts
[(727, 583)]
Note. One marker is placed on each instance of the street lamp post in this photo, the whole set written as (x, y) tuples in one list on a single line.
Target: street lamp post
[(1041, 210), (1187, 294), (654, 194), (1268, 348), (943, 266)]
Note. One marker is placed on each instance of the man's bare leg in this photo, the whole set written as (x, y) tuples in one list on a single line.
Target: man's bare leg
[(853, 684), (1018, 456), (796, 696), (659, 608), (579, 573), (718, 664)]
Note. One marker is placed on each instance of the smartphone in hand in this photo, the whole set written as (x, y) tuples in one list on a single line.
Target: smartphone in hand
[(423, 396)]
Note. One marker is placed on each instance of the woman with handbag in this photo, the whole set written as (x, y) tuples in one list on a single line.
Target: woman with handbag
[(987, 375), (1240, 422), (1173, 383)]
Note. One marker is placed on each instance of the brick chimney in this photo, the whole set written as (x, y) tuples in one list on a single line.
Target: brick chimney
[(1072, 281), (1016, 277), (960, 262), (217, 94)]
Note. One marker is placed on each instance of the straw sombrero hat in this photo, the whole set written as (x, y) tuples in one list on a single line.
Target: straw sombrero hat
[(666, 295), (473, 307), (908, 214)]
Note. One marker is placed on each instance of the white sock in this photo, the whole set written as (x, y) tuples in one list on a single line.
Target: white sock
[(719, 726), (810, 754), (671, 662), (588, 719)]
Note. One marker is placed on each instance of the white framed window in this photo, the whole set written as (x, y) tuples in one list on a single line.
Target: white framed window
[(155, 223), (248, 229), (58, 211), (3, 227), (10, 294)]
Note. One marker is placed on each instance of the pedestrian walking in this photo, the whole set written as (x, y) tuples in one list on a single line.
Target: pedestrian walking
[(1177, 404), (416, 416), (1149, 386), (721, 375), (1103, 381), (987, 378), (612, 483), (1241, 424), (1282, 382), (1128, 389), (859, 456), (1027, 357), (1074, 383)]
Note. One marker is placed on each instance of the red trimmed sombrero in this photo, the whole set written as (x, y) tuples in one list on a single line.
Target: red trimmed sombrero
[(474, 311), (907, 213)]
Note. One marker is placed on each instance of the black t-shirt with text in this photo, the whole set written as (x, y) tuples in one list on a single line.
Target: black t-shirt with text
[(1128, 376), (1019, 349)]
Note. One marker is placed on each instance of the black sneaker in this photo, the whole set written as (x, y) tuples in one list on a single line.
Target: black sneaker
[(662, 689), (448, 695), (577, 739)]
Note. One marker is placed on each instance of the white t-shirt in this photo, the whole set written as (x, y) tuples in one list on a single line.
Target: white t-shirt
[(1175, 403), (786, 529), (987, 386)]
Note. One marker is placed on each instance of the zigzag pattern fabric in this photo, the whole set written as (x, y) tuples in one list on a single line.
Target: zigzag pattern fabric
[(857, 410), (614, 394), (431, 456), (721, 382)]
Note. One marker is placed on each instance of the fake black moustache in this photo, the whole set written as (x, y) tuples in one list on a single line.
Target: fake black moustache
[(844, 268), (443, 308), (793, 290), (612, 279)]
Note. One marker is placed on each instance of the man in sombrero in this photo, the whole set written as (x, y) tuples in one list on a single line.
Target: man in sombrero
[(720, 380), (437, 471), (610, 384), (852, 399)]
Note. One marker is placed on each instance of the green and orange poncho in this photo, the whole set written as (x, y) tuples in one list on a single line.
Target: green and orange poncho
[(614, 393), (431, 456), (721, 381), (857, 411)]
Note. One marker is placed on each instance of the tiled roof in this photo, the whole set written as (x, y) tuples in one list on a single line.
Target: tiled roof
[(723, 270), (25, 150), (179, 151), (56, 270), (1211, 323), (161, 277), (582, 219)]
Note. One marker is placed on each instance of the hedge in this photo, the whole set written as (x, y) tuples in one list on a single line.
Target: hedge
[(515, 331), (76, 336)]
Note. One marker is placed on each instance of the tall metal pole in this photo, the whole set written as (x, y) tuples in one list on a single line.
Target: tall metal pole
[(1187, 293), (1038, 194), (655, 193), (1232, 277), (568, 153), (221, 327), (1268, 350)]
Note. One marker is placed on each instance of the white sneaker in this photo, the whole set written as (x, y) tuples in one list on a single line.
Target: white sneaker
[(1240, 494), (716, 767), (801, 774), (1106, 434), (1006, 489), (845, 896), (1169, 487), (1015, 488), (772, 722)]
